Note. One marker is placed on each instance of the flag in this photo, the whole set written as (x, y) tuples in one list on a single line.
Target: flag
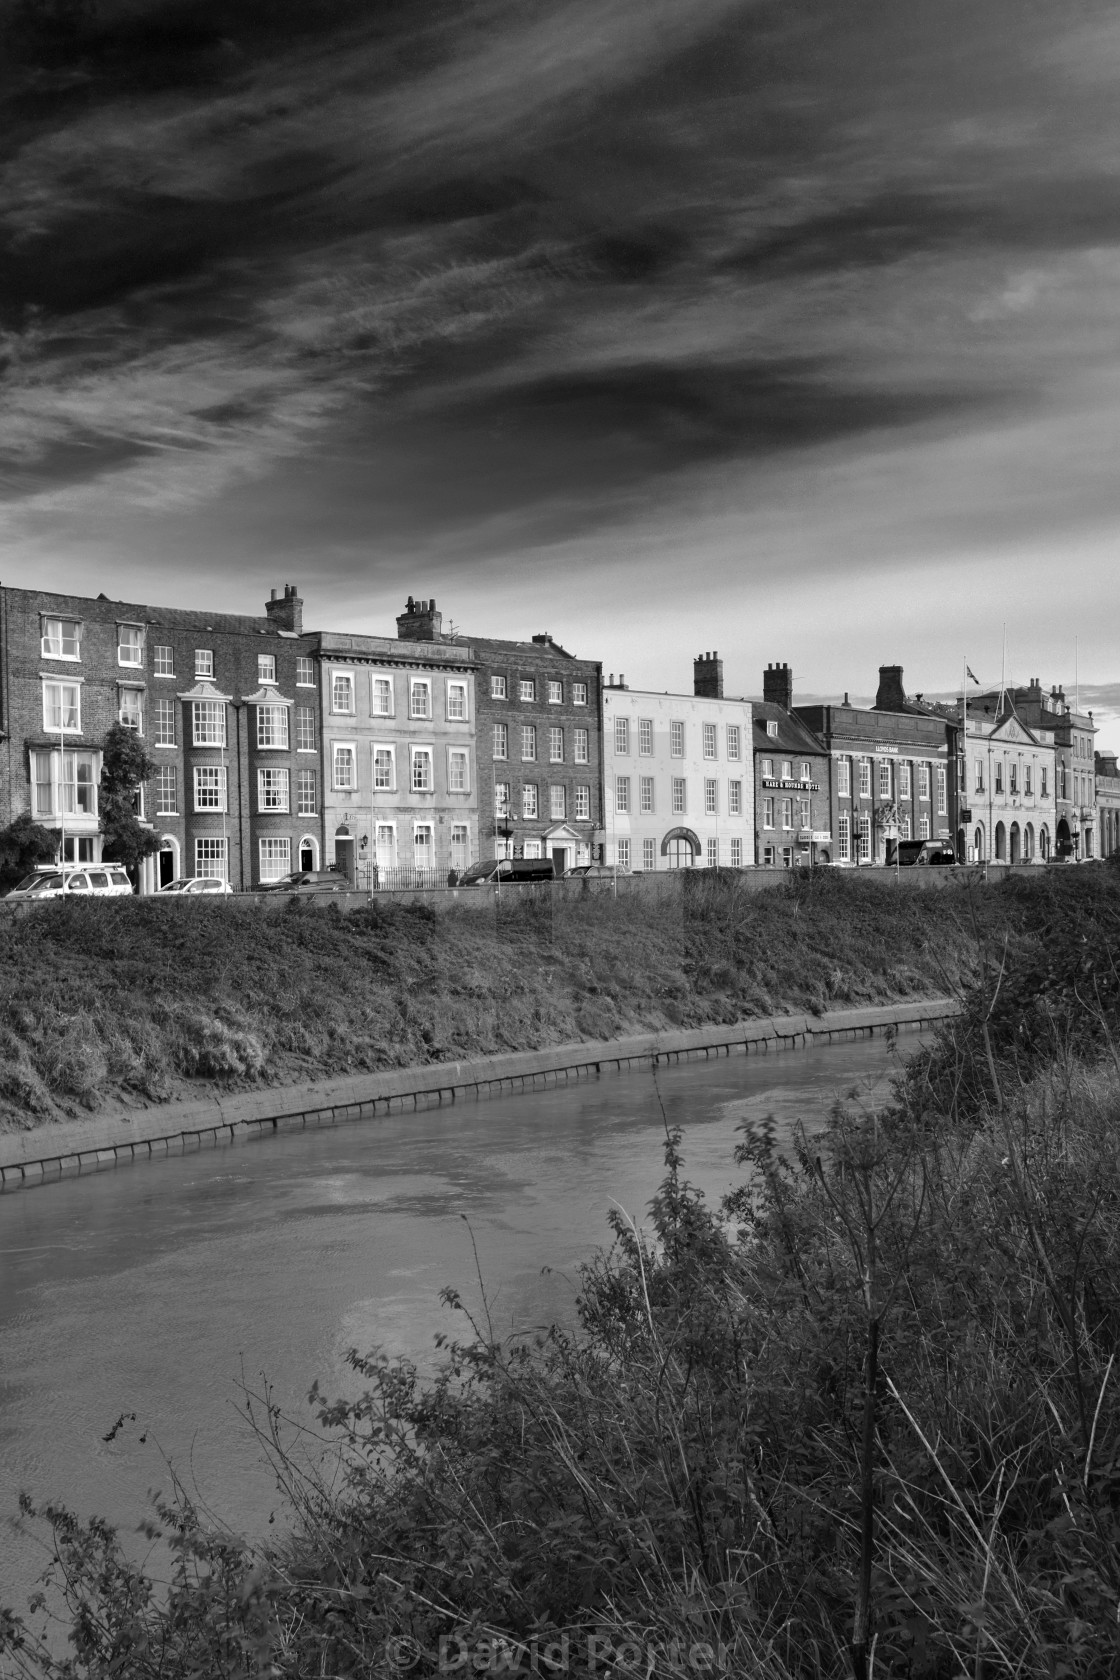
[(973, 675)]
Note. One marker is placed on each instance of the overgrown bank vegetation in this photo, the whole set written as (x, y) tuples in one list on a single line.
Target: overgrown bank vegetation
[(862, 1419), (140, 1001)]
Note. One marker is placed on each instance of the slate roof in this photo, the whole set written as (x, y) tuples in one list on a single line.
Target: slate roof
[(793, 735)]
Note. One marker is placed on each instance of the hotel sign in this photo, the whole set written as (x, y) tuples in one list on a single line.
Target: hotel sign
[(802, 787)]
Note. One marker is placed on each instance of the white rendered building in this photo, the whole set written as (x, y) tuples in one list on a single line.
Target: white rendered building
[(678, 776)]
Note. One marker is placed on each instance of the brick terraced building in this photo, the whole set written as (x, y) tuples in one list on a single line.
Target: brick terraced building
[(226, 705), (539, 728)]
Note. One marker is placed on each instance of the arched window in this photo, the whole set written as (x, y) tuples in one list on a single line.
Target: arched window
[(1001, 843), (1014, 849), (980, 844), (1028, 843)]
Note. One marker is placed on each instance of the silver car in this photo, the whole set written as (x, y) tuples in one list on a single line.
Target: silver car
[(101, 880)]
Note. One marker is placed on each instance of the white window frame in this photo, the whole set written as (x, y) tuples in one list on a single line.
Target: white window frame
[(712, 854), (344, 751), (305, 671), (557, 802), (54, 647), (134, 707), (646, 796), (787, 814), (530, 802), (278, 781), (204, 662), (844, 837), (458, 756), (581, 803), (884, 778), (460, 845), (303, 808), (212, 777), (734, 741), (529, 739), (923, 781), (266, 668), (710, 741), (498, 688), (676, 738), (865, 778), (622, 736), (205, 712), (736, 852), (555, 692), (768, 811), (167, 805), (277, 849), (424, 855), (159, 717), (624, 852), (734, 798), (161, 666), (383, 747), (649, 855), (305, 714), (278, 713), (503, 799), (501, 743), (65, 706), (843, 778), (457, 697), (622, 795), (581, 739), (904, 782), (133, 645), (342, 688), (680, 796), (211, 849), (579, 694), (420, 687), (711, 796), (555, 746), (942, 792), (527, 690), (645, 737), (421, 753)]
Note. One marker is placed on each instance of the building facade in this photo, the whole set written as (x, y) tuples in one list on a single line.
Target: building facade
[(1010, 773), (1107, 786), (893, 771), (213, 697), (792, 798), (399, 765), (679, 779), (1073, 733), (539, 729)]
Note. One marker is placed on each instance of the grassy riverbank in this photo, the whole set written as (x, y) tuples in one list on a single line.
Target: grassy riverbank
[(863, 1418), (137, 1002)]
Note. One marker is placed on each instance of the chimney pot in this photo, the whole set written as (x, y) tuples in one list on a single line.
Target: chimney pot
[(777, 686), (707, 676)]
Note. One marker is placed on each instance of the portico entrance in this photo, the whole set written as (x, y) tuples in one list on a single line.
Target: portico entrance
[(680, 848)]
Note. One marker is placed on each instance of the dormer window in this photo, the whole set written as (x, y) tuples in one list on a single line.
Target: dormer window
[(772, 728), (61, 639)]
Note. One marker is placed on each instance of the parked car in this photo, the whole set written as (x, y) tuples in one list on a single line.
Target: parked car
[(516, 871), (309, 881), (923, 852), (597, 871), (197, 884), (102, 880)]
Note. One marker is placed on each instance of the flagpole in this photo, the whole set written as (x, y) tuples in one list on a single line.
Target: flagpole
[(962, 792)]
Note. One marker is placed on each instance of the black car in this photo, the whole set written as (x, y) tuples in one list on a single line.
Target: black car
[(922, 852), (308, 881)]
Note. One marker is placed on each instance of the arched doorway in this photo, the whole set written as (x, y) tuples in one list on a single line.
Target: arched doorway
[(680, 848), (980, 844), (1028, 843), (308, 853), (1063, 841), (1014, 852), (168, 859), (1001, 843), (344, 853), (1044, 843)]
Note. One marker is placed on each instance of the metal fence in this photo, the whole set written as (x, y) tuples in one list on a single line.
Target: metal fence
[(374, 877)]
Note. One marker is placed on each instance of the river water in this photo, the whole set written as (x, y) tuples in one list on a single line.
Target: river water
[(158, 1288)]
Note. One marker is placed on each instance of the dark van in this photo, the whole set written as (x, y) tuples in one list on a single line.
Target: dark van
[(923, 852), (516, 871)]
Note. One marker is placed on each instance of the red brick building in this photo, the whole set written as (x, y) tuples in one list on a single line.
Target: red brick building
[(226, 705)]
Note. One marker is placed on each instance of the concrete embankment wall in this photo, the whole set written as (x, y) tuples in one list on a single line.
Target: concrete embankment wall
[(107, 1140)]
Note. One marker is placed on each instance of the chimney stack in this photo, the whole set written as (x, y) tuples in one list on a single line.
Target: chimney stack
[(707, 676), (420, 622), (777, 686), (891, 696), (287, 613)]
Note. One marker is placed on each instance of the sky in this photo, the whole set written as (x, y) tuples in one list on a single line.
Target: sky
[(788, 329)]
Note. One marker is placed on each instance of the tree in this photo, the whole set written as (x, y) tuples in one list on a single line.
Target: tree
[(125, 767), (23, 844)]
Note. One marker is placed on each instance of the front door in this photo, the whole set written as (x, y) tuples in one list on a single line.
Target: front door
[(559, 859), (344, 857), (166, 866)]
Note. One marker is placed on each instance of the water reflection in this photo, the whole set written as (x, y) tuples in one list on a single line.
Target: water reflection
[(155, 1288)]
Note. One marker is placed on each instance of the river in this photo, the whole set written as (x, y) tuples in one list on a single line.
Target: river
[(154, 1289)]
